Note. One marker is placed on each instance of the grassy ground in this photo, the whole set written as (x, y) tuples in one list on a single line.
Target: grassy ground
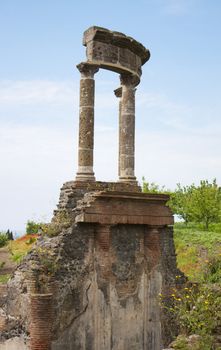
[(196, 248)]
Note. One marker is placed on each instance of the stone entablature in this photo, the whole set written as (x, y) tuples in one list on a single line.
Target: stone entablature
[(114, 208), (115, 51)]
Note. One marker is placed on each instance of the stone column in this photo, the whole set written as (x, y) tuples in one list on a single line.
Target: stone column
[(127, 130), (118, 93), (86, 123)]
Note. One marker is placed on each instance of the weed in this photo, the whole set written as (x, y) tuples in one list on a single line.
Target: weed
[(4, 278), (2, 264)]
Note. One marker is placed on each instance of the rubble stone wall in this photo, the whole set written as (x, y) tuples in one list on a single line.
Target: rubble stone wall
[(107, 279)]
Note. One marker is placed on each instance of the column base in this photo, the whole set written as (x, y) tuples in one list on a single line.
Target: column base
[(128, 179), (85, 177)]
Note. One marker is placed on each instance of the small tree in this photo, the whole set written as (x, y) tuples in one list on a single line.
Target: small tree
[(181, 202), (206, 203), (200, 204), (9, 234)]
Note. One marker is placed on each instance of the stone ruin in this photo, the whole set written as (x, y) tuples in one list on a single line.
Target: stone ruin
[(95, 284)]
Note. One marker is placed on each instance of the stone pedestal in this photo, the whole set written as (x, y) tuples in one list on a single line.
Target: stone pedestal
[(121, 248)]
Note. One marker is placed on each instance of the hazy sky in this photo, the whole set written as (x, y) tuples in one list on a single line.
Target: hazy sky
[(178, 124)]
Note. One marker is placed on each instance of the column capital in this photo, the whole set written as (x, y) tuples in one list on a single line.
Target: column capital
[(87, 70), (128, 80), (118, 92)]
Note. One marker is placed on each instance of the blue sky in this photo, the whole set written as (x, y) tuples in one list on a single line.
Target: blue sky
[(178, 122)]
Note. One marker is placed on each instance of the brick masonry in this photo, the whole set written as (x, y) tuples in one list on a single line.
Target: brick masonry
[(41, 322)]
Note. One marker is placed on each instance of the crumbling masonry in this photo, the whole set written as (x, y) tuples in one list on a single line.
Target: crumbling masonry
[(116, 255)]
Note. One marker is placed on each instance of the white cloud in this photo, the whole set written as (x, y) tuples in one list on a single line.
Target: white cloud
[(176, 7), (37, 91)]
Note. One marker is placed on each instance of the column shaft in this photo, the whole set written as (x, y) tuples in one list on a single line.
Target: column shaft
[(86, 124), (118, 93), (127, 131)]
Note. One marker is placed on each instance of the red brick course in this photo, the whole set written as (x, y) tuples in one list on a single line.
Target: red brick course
[(41, 321)]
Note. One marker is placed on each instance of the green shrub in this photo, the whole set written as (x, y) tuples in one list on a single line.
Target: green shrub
[(183, 342), (197, 308), (215, 227), (3, 239), (32, 227)]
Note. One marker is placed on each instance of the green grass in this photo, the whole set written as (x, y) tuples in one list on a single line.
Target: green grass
[(195, 248), (4, 278)]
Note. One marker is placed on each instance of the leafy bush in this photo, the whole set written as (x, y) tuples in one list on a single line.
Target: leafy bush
[(193, 342), (197, 308), (3, 239), (32, 227)]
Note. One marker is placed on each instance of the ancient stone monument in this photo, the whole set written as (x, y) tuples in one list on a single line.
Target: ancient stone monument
[(110, 245), (121, 54)]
